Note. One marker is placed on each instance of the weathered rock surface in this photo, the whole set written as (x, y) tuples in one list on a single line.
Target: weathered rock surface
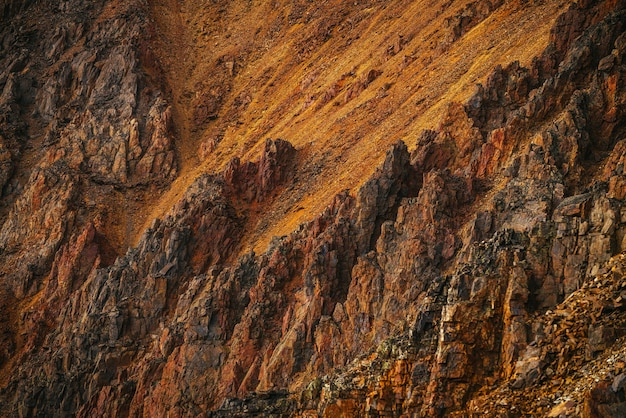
[(479, 273)]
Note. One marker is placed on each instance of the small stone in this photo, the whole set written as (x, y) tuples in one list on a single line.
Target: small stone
[(619, 382), (606, 63)]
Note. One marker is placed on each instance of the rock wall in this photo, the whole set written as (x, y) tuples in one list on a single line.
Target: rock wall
[(466, 276)]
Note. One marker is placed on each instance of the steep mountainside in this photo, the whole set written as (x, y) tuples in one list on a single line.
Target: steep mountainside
[(381, 208)]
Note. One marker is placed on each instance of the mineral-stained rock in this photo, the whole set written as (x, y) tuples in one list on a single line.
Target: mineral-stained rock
[(37, 224), (479, 273), (255, 182)]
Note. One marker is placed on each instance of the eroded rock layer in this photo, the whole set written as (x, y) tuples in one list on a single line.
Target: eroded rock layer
[(479, 270)]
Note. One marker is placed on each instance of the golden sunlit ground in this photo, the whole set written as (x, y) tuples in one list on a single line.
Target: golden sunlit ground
[(277, 63)]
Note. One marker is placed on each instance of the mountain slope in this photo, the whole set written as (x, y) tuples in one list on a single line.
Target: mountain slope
[(325, 78), (160, 255)]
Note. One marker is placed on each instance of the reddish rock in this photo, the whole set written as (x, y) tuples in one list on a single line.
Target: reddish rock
[(479, 274)]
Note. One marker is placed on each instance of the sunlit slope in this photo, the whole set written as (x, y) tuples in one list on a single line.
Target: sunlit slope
[(340, 82)]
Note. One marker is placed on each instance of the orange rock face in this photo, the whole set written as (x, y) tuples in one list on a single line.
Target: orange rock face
[(468, 264)]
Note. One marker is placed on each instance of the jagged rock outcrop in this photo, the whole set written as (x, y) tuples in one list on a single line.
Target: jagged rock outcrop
[(117, 310), (479, 270), (72, 120)]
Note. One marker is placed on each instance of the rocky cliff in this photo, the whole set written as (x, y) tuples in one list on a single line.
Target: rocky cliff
[(295, 209)]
